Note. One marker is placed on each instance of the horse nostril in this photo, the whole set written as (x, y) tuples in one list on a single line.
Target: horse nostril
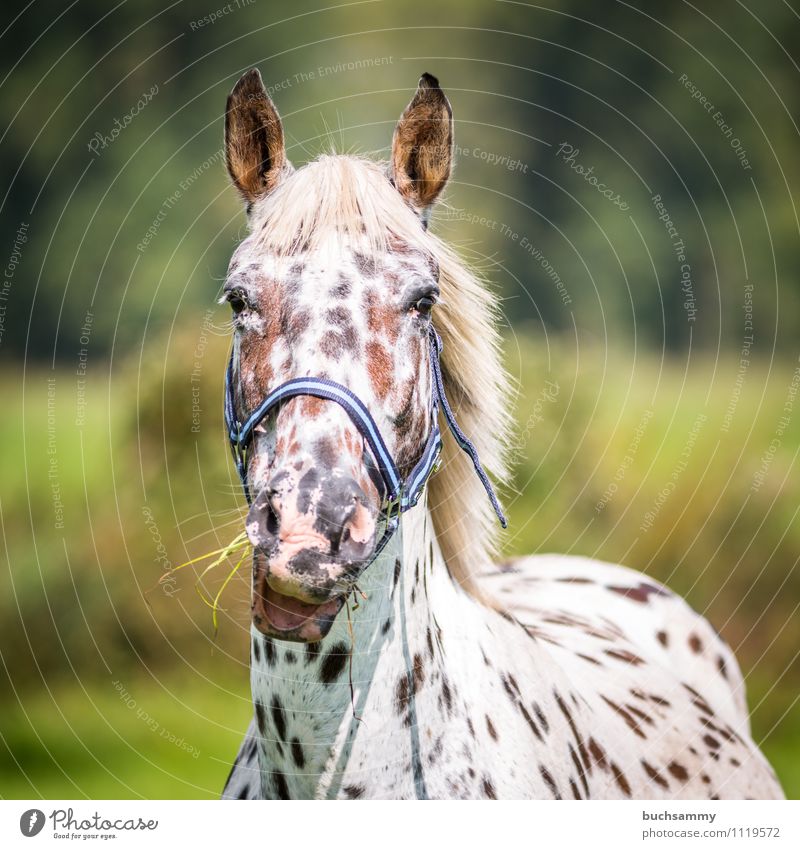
[(273, 519), (340, 529), (263, 522)]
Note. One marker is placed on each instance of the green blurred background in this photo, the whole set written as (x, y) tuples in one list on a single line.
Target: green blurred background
[(658, 423)]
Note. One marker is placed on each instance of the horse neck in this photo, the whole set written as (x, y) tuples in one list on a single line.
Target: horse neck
[(309, 718)]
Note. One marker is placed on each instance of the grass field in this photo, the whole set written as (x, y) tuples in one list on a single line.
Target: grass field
[(108, 694), (165, 737)]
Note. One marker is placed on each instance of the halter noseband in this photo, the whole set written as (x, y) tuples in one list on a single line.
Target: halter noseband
[(399, 495)]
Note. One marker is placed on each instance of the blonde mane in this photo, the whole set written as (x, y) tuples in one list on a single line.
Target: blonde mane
[(353, 197)]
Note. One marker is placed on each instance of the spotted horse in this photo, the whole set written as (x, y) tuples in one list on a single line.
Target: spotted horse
[(390, 659)]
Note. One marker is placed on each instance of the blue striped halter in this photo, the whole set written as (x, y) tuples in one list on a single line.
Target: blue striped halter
[(399, 495)]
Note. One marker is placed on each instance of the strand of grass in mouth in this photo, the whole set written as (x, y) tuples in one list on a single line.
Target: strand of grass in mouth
[(240, 543)]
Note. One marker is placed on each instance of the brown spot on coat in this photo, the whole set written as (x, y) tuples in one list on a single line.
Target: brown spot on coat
[(625, 656), (678, 771), (549, 781), (418, 672), (655, 775), (598, 753), (333, 343), (695, 643), (622, 781), (541, 717), (629, 720), (640, 593), (640, 713), (447, 695), (379, 366), (402, 694)]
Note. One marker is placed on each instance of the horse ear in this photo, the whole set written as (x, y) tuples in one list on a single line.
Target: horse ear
[(254, 148), (422, 146)]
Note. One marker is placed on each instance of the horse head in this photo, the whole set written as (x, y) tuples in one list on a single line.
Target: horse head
[(334, 285)]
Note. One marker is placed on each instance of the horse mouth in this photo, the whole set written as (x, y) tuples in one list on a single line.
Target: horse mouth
[(286, 618)]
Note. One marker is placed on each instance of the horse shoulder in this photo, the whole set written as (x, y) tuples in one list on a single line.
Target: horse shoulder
[(660, 690), (595, 603)]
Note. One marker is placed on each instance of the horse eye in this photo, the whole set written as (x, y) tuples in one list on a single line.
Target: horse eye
[(424, 305), (237, 301)]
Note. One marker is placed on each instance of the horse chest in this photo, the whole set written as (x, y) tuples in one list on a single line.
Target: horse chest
[(431, 724)]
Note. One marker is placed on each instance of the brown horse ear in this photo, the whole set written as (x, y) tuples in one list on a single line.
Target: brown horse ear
[(422, 147), (254, 148)]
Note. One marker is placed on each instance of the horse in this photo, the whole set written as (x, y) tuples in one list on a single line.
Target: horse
[(365, 396)]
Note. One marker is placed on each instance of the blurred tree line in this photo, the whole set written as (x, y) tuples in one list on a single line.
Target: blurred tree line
[(111, 152)]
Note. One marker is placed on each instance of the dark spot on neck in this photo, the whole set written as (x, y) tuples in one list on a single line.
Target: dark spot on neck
[(261, 717), (353, 791), (281, 787), (333, 663), (278, 718), (397, 566), (298, 756)]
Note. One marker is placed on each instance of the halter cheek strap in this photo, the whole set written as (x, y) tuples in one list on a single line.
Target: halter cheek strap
[(399, 495)]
